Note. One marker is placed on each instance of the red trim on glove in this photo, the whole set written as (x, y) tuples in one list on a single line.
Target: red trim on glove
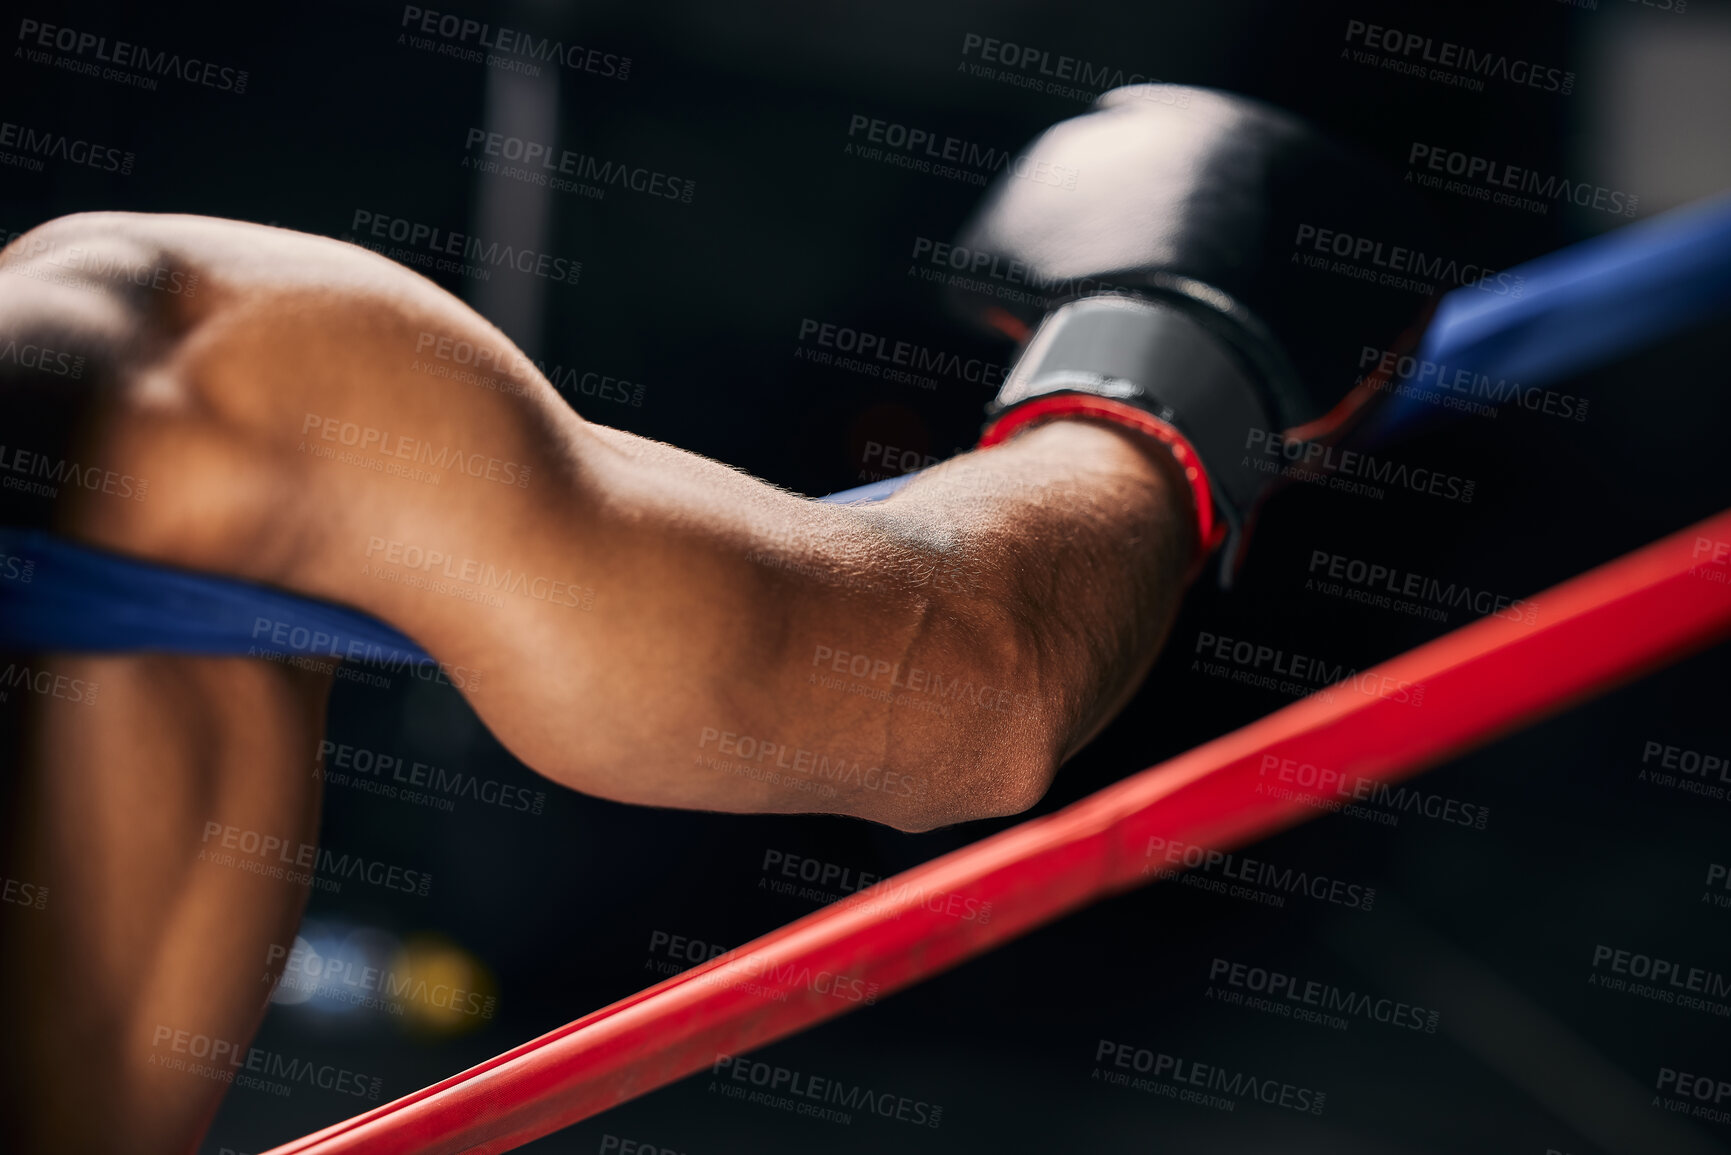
[(1210, 530)]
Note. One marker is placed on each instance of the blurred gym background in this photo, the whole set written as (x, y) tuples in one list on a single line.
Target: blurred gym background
[(690, 323)]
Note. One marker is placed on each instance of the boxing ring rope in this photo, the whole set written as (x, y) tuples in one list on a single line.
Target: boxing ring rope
[(1395, 720), (1386, 724)]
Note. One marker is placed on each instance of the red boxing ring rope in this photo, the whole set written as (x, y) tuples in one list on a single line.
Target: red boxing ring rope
[(1463, 689)]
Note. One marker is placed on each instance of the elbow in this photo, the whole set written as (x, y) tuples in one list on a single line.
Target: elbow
[(975, 806), (1013, 790), (1007, 790), (1007, 731)]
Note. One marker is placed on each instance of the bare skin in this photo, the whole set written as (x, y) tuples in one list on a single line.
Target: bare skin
[(686, 635), (138, 938)]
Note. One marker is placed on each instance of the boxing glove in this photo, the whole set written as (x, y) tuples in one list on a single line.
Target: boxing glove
[(1171, 283)]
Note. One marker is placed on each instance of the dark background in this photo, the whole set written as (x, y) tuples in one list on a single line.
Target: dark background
[(701, 304)]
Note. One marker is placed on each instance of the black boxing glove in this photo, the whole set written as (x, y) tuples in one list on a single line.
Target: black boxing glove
[(1171, 291)]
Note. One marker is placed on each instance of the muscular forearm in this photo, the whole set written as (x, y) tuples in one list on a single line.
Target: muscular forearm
[(636, 621), (1079, 536), (962, 638)]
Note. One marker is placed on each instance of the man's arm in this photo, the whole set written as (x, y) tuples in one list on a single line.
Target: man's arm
[(965, 636), (637, 622)]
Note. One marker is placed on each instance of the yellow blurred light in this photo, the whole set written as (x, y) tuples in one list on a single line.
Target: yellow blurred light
[(442, 988)]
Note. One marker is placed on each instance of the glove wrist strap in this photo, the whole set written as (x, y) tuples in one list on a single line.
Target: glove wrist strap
[(1210, 528), (1149, 365)]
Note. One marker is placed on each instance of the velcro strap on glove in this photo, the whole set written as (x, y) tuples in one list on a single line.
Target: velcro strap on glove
[(1151, 366)]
